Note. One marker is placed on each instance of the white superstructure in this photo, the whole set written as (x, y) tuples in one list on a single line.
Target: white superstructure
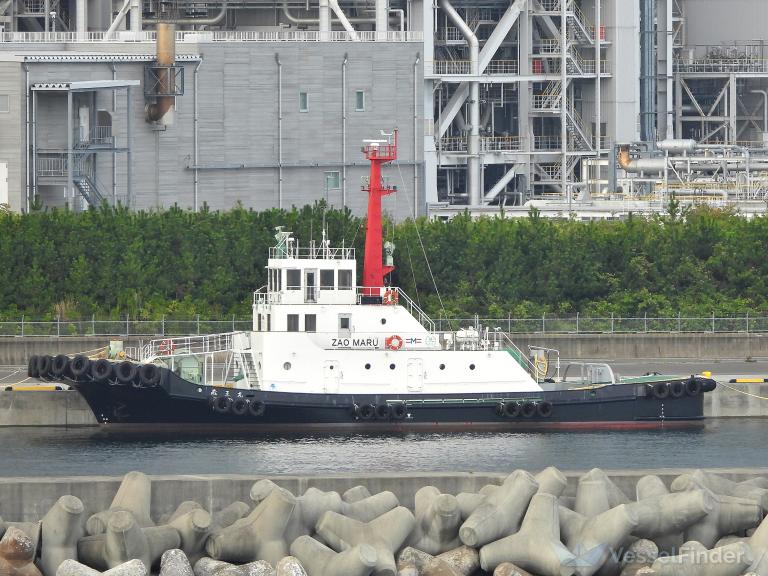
[(315, 330)]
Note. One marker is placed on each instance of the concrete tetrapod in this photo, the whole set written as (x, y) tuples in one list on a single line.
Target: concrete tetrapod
[(509, 569), (758, 542), (258, 536), (660, 516), (175, 563), (210, 567), (61, 528), (551, 481), (319, 560), (652, 486), (437, 521), (536, 547), (641, 554), (134, 495), (125, 540), (502, 512), (355, 494), (720, 485), (17, 552), (193, 528), (696, 560), (229, 515), (461, 561), (385, 534), (596, 493), (74, 568), (290, 566), (593, 540)]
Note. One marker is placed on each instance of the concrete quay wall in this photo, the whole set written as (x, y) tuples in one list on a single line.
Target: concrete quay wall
[(28, 499), (712, 346)]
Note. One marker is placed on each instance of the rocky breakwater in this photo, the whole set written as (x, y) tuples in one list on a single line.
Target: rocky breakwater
[(700, 525)]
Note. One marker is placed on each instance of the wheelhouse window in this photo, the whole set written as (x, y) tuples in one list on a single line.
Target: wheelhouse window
[(293, 279), (310, 323), (293, 323), (345, 279), (274, 280), (326, 279)]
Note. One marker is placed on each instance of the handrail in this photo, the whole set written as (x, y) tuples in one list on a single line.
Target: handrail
[(206, 344), (420, 315)]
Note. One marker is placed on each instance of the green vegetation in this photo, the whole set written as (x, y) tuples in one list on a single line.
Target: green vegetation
[(177, 263)]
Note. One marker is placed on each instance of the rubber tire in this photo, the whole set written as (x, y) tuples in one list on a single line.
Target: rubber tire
[(126, 372), (661, 390), (222, 404), (80, 366), (512, 409), (257, 408), (677, 389), (399, 411), (149, 375), (528, 410), (60, 365), (382, 412), (240, 407), (102, 370), (32, 371), (693, 387), (499, 409), (44, 366), (544, 409), (367, 411)]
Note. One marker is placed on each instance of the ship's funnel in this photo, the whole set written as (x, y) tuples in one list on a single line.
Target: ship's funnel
[(161, 110)]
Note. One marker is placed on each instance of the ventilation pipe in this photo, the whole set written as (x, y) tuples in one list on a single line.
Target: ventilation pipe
[(161, 110), (193, 21), (382, 19), (647, 70), (638, 165), (473, 141)]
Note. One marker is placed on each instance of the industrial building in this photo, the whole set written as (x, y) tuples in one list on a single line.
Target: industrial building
[(500, 104)]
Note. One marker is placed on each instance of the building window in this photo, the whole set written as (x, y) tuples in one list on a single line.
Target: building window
[(310, 323), (332, 180), (293, 279), (5, 103), (345, 279), (360, 101), (326, 280), (303, 102), (293, 322)]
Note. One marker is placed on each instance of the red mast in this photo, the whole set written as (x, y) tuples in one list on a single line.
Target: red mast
[(374, 271)]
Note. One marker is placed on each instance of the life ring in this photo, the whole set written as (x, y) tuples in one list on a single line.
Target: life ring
[(390, 297), (167, 346), (393, 342)]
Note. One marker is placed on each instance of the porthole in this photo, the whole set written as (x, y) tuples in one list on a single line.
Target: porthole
[(331, 366), (287, 366), (391, 366), (471, 366), (383, 320), (442, 366), (367, 366)]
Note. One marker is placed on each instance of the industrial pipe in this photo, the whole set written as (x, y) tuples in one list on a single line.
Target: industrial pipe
[(191, 21), (473, 142), (677, 145), (162, 108), (296, 20), (416, 136), (195, 135), (344, 131), (627, 164)]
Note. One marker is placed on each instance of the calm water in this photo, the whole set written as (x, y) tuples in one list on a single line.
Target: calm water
[(60, 451)]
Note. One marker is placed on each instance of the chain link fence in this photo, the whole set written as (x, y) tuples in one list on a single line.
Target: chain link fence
[(541, 325)]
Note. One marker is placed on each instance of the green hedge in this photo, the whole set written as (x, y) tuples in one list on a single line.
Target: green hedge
[(112, 262)]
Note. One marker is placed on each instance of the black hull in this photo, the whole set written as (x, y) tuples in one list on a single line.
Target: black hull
[(175, 401)]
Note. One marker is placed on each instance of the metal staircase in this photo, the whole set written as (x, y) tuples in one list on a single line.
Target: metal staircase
[(244, 363), (579, 136), (88, 189)]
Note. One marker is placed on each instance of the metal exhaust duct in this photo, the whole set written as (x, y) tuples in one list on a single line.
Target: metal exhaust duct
[(162, 109)]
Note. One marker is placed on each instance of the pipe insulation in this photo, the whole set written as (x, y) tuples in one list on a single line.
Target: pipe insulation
[(162, 109), (473, 136), (648, 70)]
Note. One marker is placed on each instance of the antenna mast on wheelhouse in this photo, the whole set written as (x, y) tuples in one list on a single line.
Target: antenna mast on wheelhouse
[(378, 152)]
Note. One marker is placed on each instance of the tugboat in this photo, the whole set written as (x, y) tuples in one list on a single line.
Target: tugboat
[(327, 353)]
